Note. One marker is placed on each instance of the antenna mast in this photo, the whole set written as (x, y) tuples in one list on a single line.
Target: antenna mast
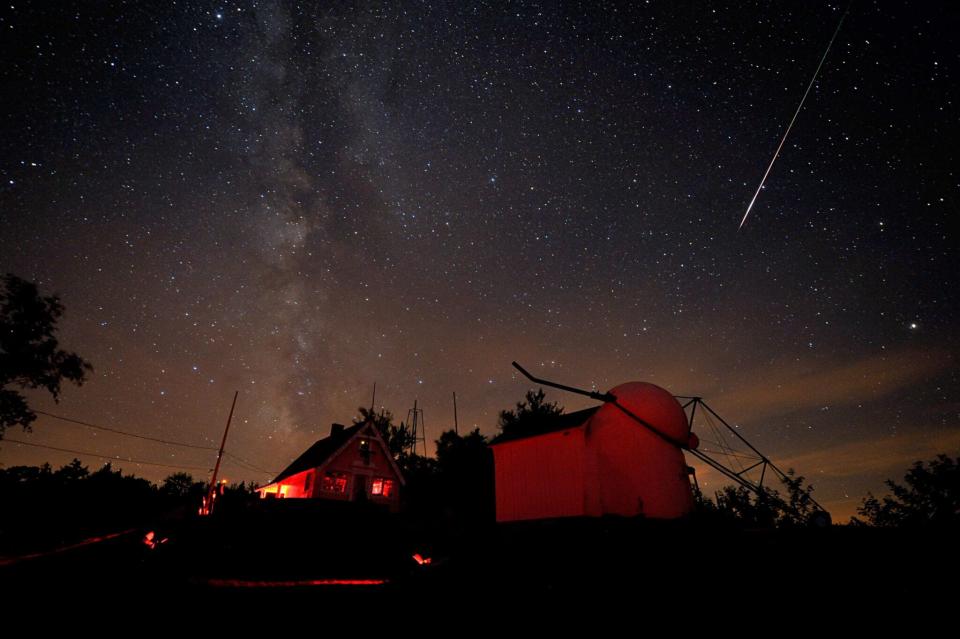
[(417, 431)]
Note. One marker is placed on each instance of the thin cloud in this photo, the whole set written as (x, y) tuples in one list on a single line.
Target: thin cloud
[(782, 391), (893, 455)]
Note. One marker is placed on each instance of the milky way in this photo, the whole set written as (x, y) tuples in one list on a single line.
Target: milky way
[(301, 201)]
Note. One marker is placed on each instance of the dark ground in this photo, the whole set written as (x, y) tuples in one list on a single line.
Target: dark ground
[(628, 567)]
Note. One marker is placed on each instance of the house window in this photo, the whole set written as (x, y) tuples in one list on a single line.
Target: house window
[(335, 483), (365, 450), (382, 487)]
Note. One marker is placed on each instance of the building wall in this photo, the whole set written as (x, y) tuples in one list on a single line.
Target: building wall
[(540, 477), (293, 487)]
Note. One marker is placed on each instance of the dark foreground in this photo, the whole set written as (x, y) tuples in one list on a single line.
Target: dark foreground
[(328, 561)]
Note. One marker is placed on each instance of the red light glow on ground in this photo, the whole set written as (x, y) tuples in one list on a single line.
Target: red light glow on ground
[(292, 583)]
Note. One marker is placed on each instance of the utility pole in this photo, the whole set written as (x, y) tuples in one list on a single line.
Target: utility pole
[(207, 507), (456, 428)]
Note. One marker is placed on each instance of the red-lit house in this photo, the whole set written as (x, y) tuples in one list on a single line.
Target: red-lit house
[(599, 461), (351, 464)]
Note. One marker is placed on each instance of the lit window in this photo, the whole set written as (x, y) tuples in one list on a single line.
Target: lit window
[(381, 487), (334, 483)]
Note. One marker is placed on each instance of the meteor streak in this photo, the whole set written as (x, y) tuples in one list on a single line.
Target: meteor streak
[(794, 118)]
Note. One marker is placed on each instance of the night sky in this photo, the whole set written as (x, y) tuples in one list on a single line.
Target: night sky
[(299, 201)]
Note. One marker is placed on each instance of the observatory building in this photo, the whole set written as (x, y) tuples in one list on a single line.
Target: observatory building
[(622, 458)]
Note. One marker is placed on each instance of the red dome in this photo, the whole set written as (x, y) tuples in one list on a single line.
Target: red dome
[(655, 406)]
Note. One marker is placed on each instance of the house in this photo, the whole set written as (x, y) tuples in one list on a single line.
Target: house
[(351, 465), (599, 461)]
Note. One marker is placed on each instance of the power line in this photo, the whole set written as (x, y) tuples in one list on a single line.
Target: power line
[(83, 452), (120, 432), (244, 462), (154, 439)]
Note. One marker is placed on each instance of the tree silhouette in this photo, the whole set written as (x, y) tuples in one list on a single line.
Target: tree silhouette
[(43, 507), (72, 472), (530, 416), (767, 508), (456, 451), (180, 486), (800, 507), (743, 507), (30, 355), (465, 476), (930, 497)]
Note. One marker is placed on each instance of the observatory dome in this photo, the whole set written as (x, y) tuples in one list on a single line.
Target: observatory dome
[(655, 406)]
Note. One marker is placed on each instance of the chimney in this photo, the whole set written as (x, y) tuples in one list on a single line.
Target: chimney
[(336, 429)]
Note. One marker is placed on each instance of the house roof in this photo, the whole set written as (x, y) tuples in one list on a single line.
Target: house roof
[(317, 454), (558, 423)]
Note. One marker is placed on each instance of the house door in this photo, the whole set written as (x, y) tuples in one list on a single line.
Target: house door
[(359, 488)]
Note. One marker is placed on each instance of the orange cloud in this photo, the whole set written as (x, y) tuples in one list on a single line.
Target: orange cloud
[(784, 390), (889, 455)]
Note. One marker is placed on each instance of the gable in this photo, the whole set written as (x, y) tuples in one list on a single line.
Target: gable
[(365, 450)]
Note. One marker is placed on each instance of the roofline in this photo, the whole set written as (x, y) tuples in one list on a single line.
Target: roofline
[(587, 414), (283, 474), (532, 435)]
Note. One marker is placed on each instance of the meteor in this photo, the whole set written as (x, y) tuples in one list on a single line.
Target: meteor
[(794, 118)]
